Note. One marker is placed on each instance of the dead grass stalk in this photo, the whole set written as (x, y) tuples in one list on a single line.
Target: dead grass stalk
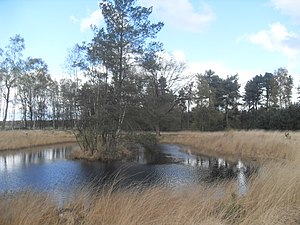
[(273, 195), (19, 139), (259, 145)]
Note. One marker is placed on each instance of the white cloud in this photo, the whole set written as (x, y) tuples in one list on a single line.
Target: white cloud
[(179, 55), (219, 67), (222, 70), (277, 39), (93, 19), (181, 14), (288, 7)]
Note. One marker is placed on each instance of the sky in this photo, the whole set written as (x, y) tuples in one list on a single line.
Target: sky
[(244, 37)]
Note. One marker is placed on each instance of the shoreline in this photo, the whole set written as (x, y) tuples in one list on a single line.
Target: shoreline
[(37, 148), (254, 145), (273, 194), (14, 140)]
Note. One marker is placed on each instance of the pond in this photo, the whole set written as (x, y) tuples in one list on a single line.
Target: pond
[(51, 169)]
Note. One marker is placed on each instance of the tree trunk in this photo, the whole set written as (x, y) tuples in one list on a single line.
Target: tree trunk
[(226, 118), (6, 107), (31, 116), (188, 114), (157, 129), (25, 119)]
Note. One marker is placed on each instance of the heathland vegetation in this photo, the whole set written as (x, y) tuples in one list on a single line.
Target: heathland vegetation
[(132, 86), (19, 139), (123, 80), (273, 193)]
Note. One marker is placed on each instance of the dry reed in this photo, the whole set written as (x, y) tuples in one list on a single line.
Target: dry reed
[(258, 145), (156, 205), (19, 139), (272, 198), (273, 195)]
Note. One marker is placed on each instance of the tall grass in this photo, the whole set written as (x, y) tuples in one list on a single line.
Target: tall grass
[(18, 139), (156, 205), (272, 198), (273, 195), (259, 145)]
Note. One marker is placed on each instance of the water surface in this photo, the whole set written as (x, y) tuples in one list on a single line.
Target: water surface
[(51, 169)]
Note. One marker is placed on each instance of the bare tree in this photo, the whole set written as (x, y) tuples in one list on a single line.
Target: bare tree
[(10, 69), (162, 76), (33, 90), (285, 87)]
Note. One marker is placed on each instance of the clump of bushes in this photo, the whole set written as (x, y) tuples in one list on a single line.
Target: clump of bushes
[(127, 147), (135, 141)]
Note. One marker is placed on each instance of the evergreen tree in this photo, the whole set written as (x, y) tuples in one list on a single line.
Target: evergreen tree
[(254, 92), (111, 55)]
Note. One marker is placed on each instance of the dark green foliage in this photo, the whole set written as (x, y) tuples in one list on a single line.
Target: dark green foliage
[(207, 119), (145, 139), (254, 92), (111, 97), (274, 119), (217, 102), (267, 102)]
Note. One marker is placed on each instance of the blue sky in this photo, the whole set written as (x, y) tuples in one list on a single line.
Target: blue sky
[(247, 37)]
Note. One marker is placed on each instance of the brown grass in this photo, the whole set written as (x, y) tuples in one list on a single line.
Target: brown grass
[(273, 198), (258, 145), (12, 140), (273, 195), (150, 206)]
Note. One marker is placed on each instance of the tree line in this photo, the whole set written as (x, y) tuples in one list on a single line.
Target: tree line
[(131, 84), (265, 104), (28, 90)]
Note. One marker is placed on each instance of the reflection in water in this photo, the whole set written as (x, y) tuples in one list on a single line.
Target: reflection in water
[(51, 169), (241, 178), (20, 160)]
